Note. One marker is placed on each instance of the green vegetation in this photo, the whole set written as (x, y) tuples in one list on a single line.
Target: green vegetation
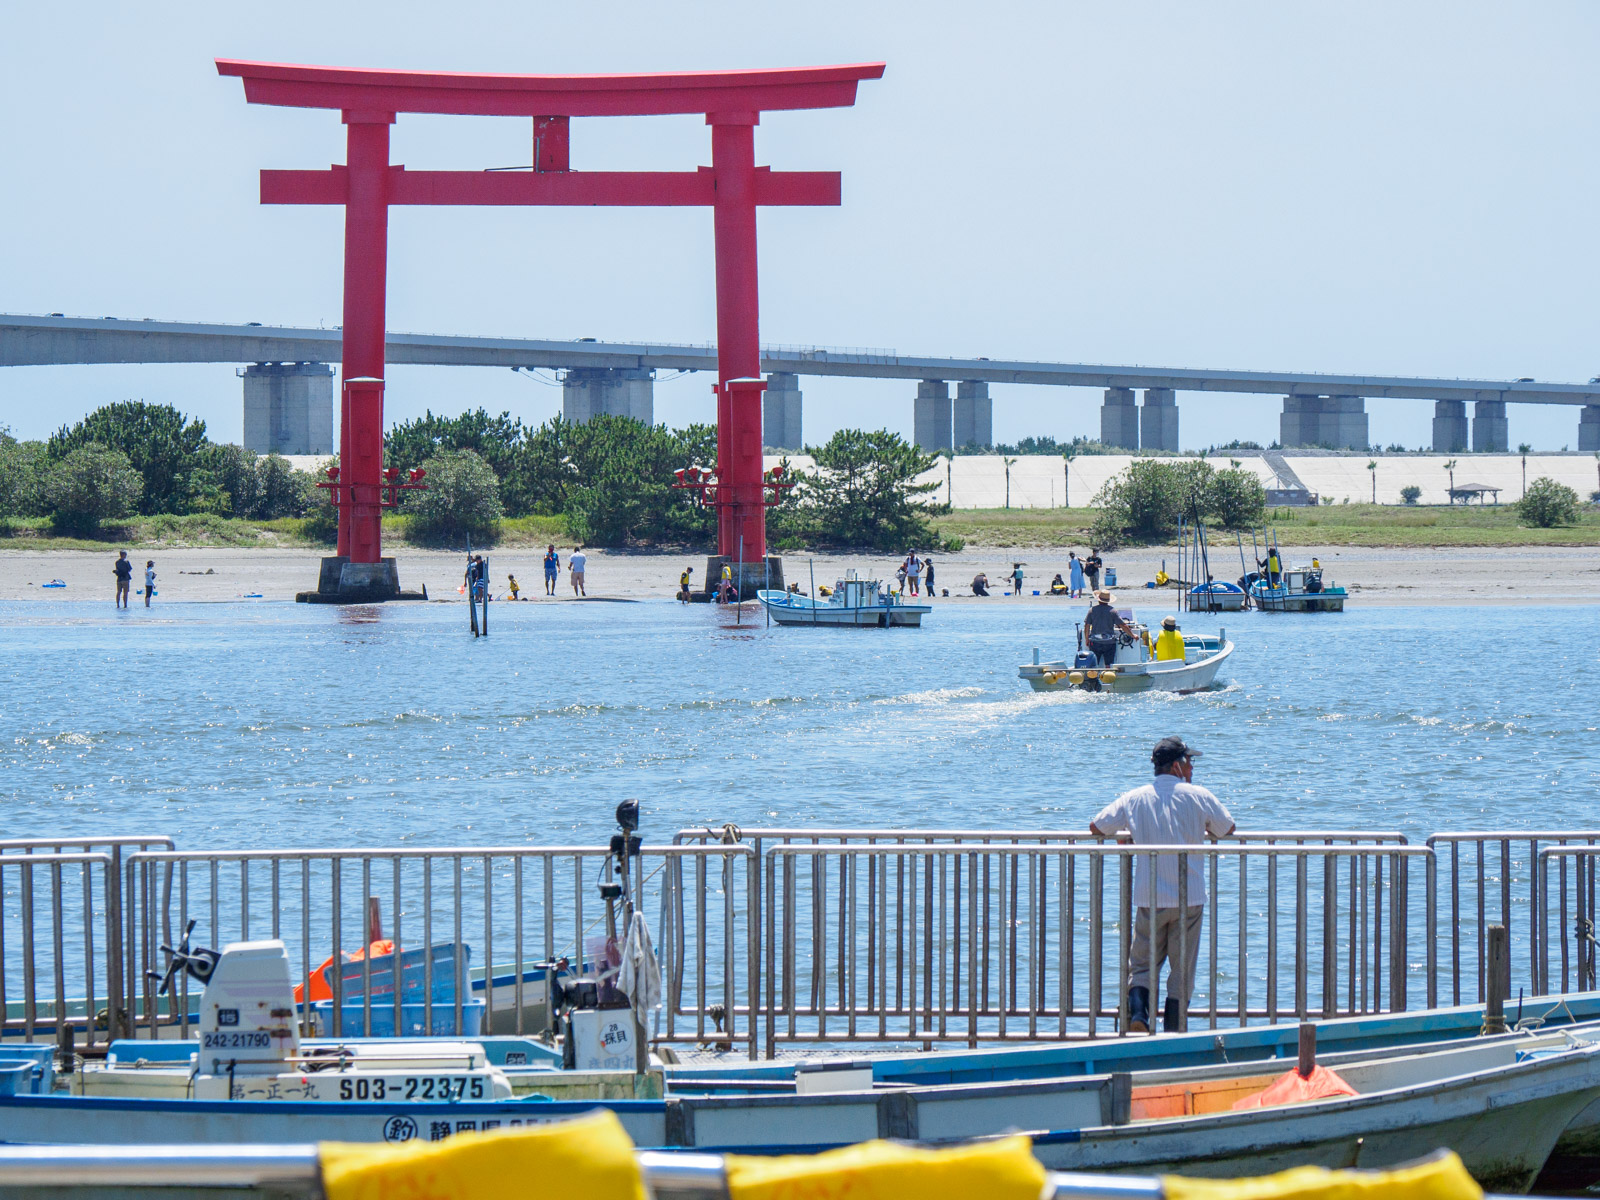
[(460, 503), (1341, 525), (1411, 493), (1145, 502), (133, 459), (165, 448), (864, 494), (1547, 504), (89, 486)]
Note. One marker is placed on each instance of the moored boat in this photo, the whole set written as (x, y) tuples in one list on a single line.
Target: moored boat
[(853, 602), (1217, 595), (1297, 589)]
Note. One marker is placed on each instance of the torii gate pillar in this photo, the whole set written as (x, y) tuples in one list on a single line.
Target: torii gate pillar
[(733, 186)]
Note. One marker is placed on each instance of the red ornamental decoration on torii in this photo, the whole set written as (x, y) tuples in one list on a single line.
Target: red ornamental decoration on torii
[(733, 187)]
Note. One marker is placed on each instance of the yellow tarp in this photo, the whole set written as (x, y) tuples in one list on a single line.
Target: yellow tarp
[(1004, 1169), (590, 1156), (1443, 1178)]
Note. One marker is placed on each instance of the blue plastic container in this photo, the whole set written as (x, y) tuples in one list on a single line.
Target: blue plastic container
[(43, 1057), (413, 1019), (413, 975), (1111, 577), (16, 1076)]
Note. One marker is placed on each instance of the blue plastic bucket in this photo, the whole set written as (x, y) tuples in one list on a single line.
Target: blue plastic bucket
[(16, 1077), (1111, 577)]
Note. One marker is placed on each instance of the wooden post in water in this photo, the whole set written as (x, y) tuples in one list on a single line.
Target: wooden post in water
[(1499, 980), (1308, 1049)]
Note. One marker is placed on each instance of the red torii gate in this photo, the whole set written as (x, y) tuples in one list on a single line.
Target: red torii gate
[(733, 186)]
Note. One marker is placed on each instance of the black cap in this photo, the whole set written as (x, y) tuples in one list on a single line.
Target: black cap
[(1170, 750)]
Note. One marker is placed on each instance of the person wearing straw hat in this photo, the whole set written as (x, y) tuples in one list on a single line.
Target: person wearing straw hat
[(1101, 626), (1171, 810), (1169, 644)]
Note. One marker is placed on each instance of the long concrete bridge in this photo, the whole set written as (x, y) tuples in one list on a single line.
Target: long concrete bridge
[(288, 384)]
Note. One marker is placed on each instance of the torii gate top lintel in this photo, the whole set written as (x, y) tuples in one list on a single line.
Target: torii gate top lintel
[(471, 94), (733, 187)]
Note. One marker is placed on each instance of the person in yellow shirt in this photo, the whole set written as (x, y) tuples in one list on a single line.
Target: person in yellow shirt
[(511, 582), (1170, 644)]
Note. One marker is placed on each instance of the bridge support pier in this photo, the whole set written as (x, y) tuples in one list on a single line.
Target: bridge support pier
[(1158, 420), (1490, 429), (973, 415), (780, 412), (1119, 419), (1336, 422), (288, 408), (1589, 428), (1449, 426), (589, 392), (931, 420)]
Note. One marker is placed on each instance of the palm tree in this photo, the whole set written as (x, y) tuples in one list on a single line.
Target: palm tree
[(1067, 455), (1523, 449), (1372, 469), (1451, 468), (1008, 462)]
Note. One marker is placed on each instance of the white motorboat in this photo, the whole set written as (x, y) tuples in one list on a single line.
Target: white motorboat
[(1133, 669), (852, 602)]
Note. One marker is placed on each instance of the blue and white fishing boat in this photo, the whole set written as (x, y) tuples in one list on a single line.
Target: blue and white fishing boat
[(1502, 1108), (853, 602), (1296, 589)]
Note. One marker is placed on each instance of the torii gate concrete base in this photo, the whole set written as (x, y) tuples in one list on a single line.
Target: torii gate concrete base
[(344, 582)]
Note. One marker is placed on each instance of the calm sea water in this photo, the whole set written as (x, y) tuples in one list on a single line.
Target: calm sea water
[(240, 725)]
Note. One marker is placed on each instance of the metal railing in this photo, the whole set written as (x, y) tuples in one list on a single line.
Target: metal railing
[(776, 935), (54, 906), (1489, 878), (972, 942), (1575, 939), (531, 906)]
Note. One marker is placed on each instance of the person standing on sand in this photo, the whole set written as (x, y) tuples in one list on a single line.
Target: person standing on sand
[(552, 566), (123, 570), (149, 581), (1169, 811), (927, 564), (683, 584), (1074, 575), (1016, 579), (1091, 568), (511, 582), (576, 562)]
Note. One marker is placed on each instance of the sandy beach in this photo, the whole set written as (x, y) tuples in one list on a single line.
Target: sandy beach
[(1532, 575)]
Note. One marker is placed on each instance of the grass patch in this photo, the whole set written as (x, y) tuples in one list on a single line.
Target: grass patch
[(161, 532), (1328, 525)]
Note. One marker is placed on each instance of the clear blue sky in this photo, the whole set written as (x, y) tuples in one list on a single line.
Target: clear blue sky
[(1354, 186)]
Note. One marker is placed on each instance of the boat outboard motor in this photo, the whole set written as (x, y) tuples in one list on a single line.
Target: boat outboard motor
[(595, 1019), (198, 963)]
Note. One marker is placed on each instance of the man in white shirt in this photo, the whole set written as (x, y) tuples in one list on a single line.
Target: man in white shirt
[(577, 563), (1168, 811)]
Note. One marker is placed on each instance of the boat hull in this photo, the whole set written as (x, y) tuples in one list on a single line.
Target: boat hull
[(1298, 602), (1503, 1123), (1132, 677), (883, 616)]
